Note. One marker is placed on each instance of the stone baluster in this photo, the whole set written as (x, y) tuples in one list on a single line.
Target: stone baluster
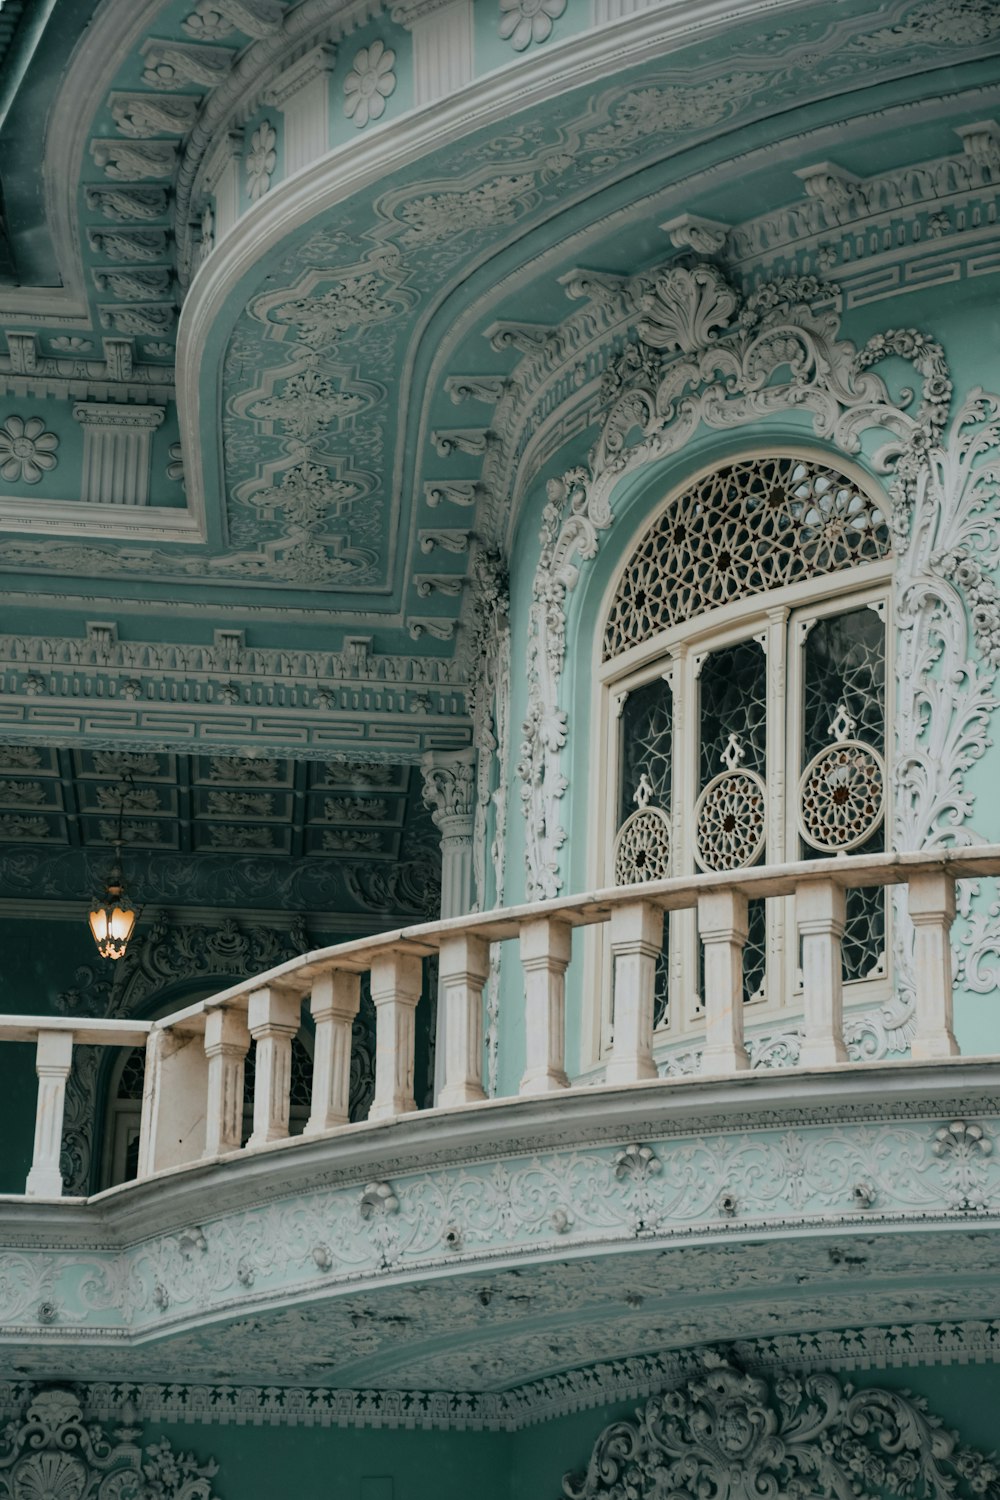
[(820, 914), (722, 925), (273, 1016), (931, 903), (449, 793), (545, 953), (334, 1004), (636, 942), (227, 1040), (396, 982), (464, 967), (53, 1060)]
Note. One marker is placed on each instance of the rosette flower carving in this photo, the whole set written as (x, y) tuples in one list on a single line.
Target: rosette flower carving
[(27, 451), (525, 21), (369, 83)]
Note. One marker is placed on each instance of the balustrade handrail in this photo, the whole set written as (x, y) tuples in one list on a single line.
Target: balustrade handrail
[(192, 1106), (676, 893)]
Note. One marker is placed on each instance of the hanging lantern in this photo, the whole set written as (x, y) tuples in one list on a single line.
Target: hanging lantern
[(112, 920)]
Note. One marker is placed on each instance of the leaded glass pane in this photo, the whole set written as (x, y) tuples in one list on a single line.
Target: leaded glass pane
[(759, 524), (647, 730), (733, 693), (646, 745), (844, 664), (733, 702), (845, 667)]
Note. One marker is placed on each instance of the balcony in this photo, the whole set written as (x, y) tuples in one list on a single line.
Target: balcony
[(192, 1110), (481, 1208)]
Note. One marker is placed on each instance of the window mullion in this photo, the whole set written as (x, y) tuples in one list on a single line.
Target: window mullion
[(775, 642)]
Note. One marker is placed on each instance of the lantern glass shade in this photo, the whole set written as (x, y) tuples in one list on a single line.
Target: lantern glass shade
[(112, 923)]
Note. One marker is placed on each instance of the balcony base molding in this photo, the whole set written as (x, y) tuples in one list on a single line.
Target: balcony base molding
[(777, 1189)]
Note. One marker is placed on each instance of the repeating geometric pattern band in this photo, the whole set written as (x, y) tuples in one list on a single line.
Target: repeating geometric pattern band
[(746, 528)]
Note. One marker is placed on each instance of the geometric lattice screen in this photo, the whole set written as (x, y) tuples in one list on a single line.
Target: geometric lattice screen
[(747, 527)]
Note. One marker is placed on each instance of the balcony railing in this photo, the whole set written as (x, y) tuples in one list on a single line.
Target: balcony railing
[(192, 1106)]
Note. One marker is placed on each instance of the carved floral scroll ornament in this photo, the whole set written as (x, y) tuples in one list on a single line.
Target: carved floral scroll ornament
[(737, 1436), (52, 1453), (708, 357)]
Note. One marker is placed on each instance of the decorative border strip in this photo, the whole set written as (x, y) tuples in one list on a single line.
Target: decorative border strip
[(928, 1344)]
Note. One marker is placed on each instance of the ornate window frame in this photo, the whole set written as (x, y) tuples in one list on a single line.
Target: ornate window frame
[(773, 613)]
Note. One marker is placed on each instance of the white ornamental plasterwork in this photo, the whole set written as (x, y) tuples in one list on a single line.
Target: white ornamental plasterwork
[(214, 20), (54, 1452), (519, 1406), (442, 216), (727, 362), (371, 81), (680, 1190), (954, 23), (490, 709), (525, 21), (737, 1436), (260, 160), (27, 451)]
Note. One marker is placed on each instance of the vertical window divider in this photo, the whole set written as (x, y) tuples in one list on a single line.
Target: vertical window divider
[(775, 642)]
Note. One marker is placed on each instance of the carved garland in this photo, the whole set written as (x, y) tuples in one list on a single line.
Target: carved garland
[(707, 356), (736, 1436)]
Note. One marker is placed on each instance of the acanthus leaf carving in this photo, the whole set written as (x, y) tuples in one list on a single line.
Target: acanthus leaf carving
[(734, 1435)]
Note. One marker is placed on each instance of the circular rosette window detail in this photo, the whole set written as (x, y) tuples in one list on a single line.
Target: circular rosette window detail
[(841, 797), (642, 848), (730, 821)]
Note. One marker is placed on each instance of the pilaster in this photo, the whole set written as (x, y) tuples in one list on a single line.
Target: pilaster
[(449, 793), (442, 45), (302, 93), (116, 451)]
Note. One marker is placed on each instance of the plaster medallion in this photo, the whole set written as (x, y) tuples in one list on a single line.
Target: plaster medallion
[(261, 160), (27, 451), (525, 21), (369, 83)]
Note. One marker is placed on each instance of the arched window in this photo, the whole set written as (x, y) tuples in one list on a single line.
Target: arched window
[(745, 660)]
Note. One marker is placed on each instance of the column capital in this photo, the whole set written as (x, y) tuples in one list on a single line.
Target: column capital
[(450, 789)]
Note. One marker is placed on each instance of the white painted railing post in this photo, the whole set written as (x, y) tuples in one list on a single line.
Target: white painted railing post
[(397, 982), (820, 914), (334, 1004), (545, 946), (636, 942), (464, 965), (53, 1060), (931, 903), (273, 1015), (722, 926), (227, 1040)]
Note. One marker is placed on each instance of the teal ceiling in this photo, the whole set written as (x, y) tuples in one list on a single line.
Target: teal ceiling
[(339, 458)]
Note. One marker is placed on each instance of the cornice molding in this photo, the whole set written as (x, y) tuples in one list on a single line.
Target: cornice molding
[(920, 1345)]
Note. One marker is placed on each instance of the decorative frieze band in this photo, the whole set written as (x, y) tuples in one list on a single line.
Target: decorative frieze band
[(116, 451), (523, 1405)]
